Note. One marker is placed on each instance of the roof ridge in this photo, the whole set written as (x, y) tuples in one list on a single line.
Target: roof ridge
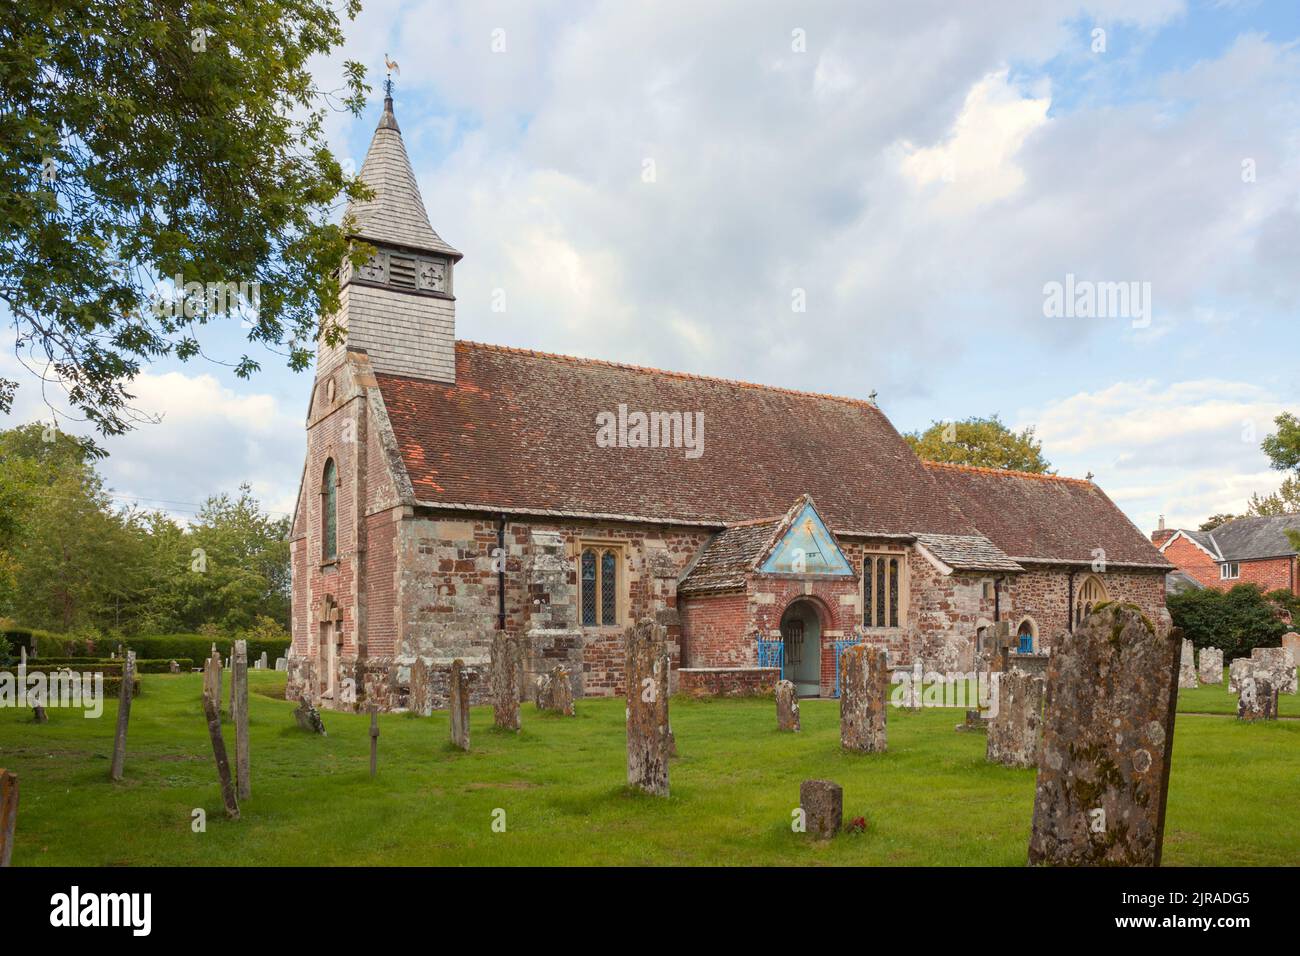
[(651, 370), (1005, 472)]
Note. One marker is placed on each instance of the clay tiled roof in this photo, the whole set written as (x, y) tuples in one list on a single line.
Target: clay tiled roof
[(1046, 518), (728, 557), (967, 552), (396, 213), (517, 432)]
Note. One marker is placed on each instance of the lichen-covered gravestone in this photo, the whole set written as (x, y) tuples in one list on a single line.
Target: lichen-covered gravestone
[(1275, 665), (1103, 778), (239, 712), (123, 717), (308, 717), (555, 691), (864, 695), (1015, 731), (787, 706), (421, 701), (1291, 641), (1257, 699), (1187, 666), (1211, 665), (506, 668), (647, 707), (822, 803), (458, 702)]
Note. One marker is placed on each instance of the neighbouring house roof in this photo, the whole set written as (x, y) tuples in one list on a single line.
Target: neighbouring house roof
[(1248, 539), (517, 432), (395, 214), (967, 552), (1202, 539), (1046, 518)]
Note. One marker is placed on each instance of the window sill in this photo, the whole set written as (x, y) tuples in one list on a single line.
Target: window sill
[(329, 565)]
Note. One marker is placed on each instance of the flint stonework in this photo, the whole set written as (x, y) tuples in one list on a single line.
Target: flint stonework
[(787, 706), (822, 803), (8, 814), (864, 696), (239, 713), (1187, 666), (458, 702), (213, 714), (1103, 778), (123, 717), (507, 670), (1210, 669), (647, 707), (1257, 699), (308, 717), (1015, 731)]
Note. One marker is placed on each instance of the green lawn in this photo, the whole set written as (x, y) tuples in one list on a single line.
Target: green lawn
[(1215, 699), (1235, 791)]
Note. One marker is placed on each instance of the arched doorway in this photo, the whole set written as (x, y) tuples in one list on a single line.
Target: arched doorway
[(801, 633), (1025, 637), (1091, 593)]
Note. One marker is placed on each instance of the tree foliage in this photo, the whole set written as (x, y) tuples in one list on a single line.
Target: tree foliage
[(1213, 521), (141, 140), (985, 442)]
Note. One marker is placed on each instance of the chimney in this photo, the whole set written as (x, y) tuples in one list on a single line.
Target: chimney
[(1162, 534)]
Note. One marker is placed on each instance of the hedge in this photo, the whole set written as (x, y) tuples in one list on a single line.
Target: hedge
[(1235, 621), (112, 684), (142, 665), (197, 647)]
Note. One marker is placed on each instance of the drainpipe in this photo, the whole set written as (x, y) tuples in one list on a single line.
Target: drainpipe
[(1069, 605), (997, 598), (501, 572)]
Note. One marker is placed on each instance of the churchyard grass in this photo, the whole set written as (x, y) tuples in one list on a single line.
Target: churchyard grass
[(1216, 699), (931, 800)]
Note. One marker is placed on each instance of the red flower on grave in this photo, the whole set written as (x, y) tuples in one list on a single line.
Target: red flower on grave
[(858, 825)]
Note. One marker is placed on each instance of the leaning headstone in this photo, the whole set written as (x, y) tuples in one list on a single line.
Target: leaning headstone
[(1187, 666), (458, 702), (555, 691), (123, 717), (822, 803), (864, 693), (213, 715), (239, 711), (1210, 670), (1257, 699), (308, 717), (8, 814), (647, 707), (506, 668), (1103, 778), (787, 706), (1015, 730)]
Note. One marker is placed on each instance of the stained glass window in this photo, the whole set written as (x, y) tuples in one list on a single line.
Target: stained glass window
[(883, 591), (329, 503), (589, 588)]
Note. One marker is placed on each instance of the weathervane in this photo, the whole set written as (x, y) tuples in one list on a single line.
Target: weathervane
[(388, 81)]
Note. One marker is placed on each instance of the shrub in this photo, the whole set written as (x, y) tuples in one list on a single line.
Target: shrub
[(1236, 621), (197, 647)]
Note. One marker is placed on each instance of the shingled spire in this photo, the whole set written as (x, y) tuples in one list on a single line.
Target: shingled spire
[(398, 306)]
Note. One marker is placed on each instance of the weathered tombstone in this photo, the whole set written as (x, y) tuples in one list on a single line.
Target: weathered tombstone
[(1291, 641), (1238, 670), (506, 671), (239, 712), (1015, 731), (261, 661), (458, 702), (173, 667), (1275, 665), (1103, 778), (282, 664), (308, 717), (8, 814), (374, 742), (787, 706), (1187, 666), (1211, 665), (822, 803), (212, 682), (213, 715), (864, 695), (421, 701), (123, 717), (1257, 699), (1002, 640), (555, 691), (33, 698), (647, 707)]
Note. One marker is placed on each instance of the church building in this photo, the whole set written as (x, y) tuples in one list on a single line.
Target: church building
[(452, 489)]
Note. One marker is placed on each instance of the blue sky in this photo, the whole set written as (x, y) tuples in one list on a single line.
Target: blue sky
[(920, 171)]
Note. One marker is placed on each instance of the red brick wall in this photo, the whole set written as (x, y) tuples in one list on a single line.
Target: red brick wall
[(1194, 562), (1270, 574), (715, 631), (724, 682)]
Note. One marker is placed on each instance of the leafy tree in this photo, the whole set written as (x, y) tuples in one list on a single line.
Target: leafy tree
[(1213, 521), (142, 140), (1236, 621), (1284, 501), (1283, 450), (985, 442)]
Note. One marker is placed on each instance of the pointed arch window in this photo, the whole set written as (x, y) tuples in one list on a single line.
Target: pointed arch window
[(329, 493), (600, 588), (884, 596), (1091, 593)]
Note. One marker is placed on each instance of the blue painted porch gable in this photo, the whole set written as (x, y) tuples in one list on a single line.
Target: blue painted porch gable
[(807, 536)]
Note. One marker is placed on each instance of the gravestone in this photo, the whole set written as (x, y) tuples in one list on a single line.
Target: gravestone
[(458, 702), (1103, 778), (1001, 641), (239, 712), (123, 717), (212, 677), (822, 803), (1187, 666), (8, 814), (1015, 731), (1291, 641), (507, 667), (787, 706), (1257, 699), (308, 717), (1275, 665), (282, 664), (261, 661), (173, 667), (33, 698), (421, 701), (647, 707), (555, 691), (213, 714), (864, 695), (374, 742), (1211, 665)]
